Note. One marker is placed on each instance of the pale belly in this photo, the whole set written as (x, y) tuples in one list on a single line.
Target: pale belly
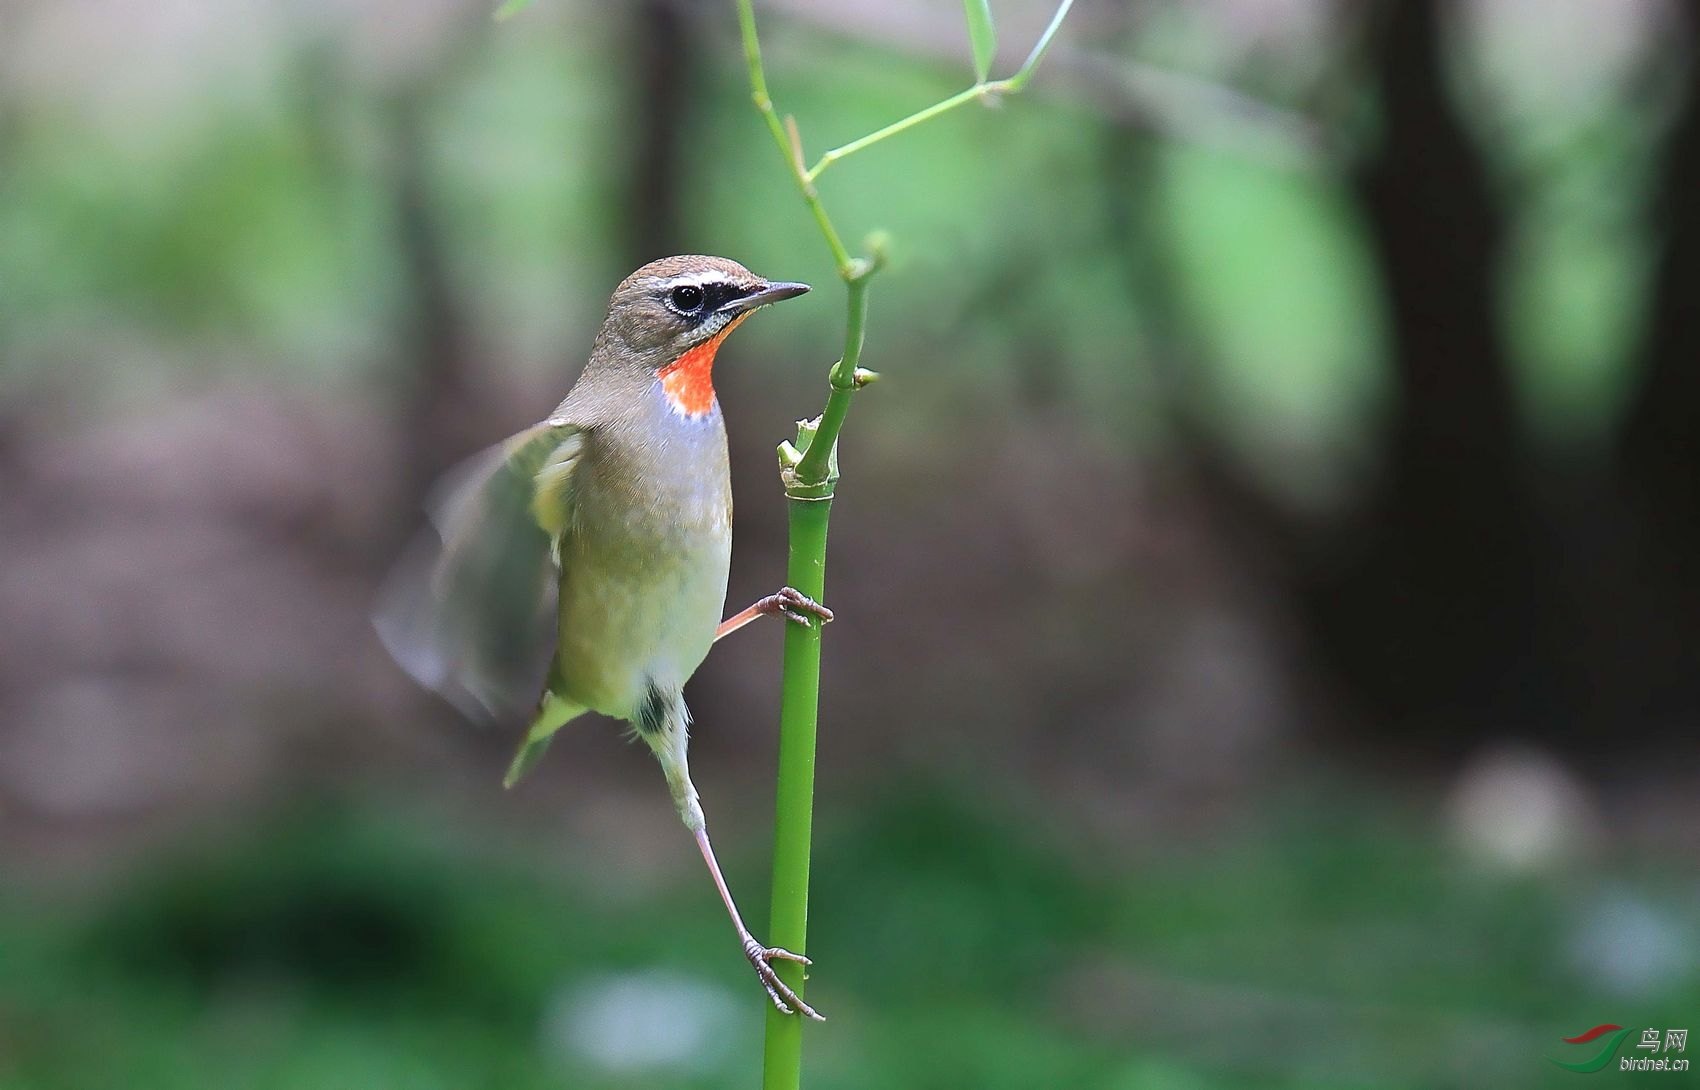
[(638, 608)]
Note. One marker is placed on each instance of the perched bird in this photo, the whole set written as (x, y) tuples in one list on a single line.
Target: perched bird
[(587, 556)]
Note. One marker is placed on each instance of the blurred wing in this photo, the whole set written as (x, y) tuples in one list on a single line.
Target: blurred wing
[(469, 610)]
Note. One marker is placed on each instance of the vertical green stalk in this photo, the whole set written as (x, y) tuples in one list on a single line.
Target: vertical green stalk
[(793, 820), (809, 471)]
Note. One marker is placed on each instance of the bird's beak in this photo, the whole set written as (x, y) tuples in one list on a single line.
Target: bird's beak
[(773, 293)]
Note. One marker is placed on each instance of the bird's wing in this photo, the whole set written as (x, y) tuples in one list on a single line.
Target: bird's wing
[(469, 611)]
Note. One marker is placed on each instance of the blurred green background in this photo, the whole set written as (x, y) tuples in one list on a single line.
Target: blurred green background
[(1269, 639)]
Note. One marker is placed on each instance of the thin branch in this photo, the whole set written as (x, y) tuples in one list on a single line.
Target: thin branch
[(982, 90), (935, 110), (1031, 64), (758, 94), (1178, 105), (796, 141)]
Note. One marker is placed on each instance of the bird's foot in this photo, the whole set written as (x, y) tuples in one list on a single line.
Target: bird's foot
[(794, 606), (783, 997)]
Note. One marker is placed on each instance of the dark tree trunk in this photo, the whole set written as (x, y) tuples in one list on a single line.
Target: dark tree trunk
[(1658, 448), (1475, 593), (439, 418), (1435, 617), (664, 98)]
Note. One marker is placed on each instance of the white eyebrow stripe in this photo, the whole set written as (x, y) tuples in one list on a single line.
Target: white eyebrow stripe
[(701, 280)]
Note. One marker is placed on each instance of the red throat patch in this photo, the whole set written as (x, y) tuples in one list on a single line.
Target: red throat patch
[(688, 381)]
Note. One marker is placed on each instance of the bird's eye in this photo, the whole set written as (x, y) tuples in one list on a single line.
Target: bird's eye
[(687, 297)]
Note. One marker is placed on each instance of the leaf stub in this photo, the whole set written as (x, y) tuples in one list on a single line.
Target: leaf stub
[(982, 35)]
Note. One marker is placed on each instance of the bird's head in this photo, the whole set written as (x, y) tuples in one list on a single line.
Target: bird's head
[(670, 316)]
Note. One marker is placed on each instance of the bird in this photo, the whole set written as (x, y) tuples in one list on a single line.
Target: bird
[(581, 564)]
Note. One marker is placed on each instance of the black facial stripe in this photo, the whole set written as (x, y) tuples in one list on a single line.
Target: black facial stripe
[(720, 293), (716, 294)]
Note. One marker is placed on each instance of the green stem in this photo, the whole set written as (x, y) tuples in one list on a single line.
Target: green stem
[(980, 90), (764, 103), (809, 472), (1031, 65), (846, 150), (788, 923)]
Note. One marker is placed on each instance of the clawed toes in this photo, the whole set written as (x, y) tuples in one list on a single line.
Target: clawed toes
[(797, 607), (782, 995), (775, 952)]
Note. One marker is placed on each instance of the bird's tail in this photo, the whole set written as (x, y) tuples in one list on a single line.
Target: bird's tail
[(553, 713)]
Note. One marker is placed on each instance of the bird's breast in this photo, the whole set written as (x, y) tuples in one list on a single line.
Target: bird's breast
[(644, 563)]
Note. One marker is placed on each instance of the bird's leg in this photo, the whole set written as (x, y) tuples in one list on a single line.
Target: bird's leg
[(788, 602), (760, 956), (667, 735)]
